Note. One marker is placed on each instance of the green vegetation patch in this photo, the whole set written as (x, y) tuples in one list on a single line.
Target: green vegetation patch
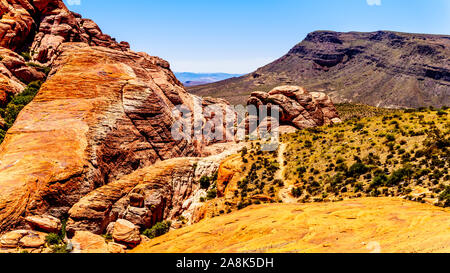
[(17, 103)]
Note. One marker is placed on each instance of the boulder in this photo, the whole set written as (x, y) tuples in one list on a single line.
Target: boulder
[(3, 124), (87, 242), (44, 222), (12, 238), (28, 74), (33, 240), (298, 107), (116, 248), (230, 172), (56, 26), (136, 200), (126, 232)]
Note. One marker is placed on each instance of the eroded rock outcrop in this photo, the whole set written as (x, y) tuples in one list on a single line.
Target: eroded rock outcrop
[(351, 226), (96, 143), (163, 191), (36, 29), (117, 118), (298, 107), (44, 25)]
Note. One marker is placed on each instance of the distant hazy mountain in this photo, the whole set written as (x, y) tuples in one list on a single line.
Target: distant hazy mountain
[(383, 68), (193, 79)]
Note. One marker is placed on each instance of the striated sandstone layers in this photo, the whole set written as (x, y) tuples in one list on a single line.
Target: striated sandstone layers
[(164, 191), (386, 225), (44, 25), (101, 115), (87, 145), (38, 28)]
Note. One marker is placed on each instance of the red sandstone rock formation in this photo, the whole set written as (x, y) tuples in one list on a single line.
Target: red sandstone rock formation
[(298, 107), (87, 144)]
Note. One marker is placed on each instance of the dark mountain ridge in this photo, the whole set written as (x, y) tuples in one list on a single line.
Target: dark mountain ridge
[(383, 68)]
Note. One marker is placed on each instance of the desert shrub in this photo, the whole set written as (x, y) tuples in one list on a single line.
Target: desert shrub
[(441, 113), (26, 56), (44, 69), (52, 239), (399, 175), (18, 102), (359, 187), (379, 180), (108, 237), (59, 249), (337, 180), (390, 137), (445, 197), (301, 170), (358, 127), (296, 192), (157, 230), (243, 205), (205, 182), (211, 194), (357, 169), (2, 135), (279, 182), (341, 168)]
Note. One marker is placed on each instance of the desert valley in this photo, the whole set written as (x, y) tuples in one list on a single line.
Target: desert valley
[(89, 162)]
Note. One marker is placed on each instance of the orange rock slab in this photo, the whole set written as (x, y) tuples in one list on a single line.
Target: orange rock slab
[(99, 116), (354, 226)]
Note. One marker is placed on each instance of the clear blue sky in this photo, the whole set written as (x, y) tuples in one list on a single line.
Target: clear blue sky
[(238, 36)]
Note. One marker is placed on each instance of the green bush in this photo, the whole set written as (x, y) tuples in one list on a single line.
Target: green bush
[(205, 182), (378, 181), (390, 137), (53, 239), (44, 69), (12, 110), (441, 113), (211, 194), (445, 197), (398, 176), (296, 192), (26, 56), (59, 249), (157, 230), (357, 169)]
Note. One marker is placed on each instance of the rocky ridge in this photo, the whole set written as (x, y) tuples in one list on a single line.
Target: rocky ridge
[(383, 69)]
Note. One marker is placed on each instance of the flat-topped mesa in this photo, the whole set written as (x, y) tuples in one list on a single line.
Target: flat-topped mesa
[(298, 107), (383, 69)]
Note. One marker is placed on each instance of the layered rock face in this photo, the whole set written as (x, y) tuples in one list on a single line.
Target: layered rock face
[(366, 225), (96, 144), (383, 68), (44, 25), (164, 191), (15, 74), (298, 107), (102, 114), (38, 28)]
